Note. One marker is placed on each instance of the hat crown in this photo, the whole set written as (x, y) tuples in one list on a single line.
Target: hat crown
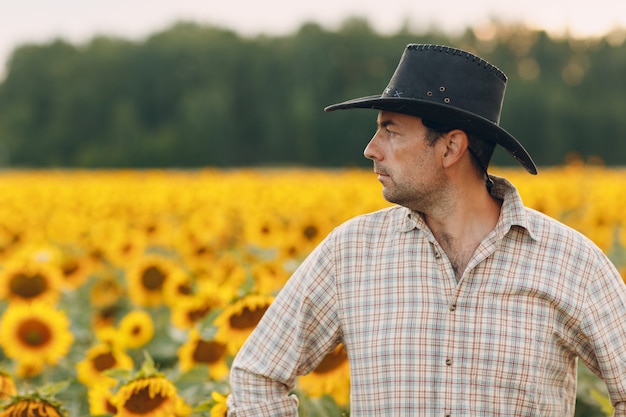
[(449, 77), (450, 87)]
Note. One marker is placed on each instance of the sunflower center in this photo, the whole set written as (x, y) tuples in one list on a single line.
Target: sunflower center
[(208, 352), (153, 278), (247, 318), (110, 407), (332, 361), (184, 289), (198, 313), (70, 268), (28, 286), (34, 333), (104, 361), (136, 330), (310, 232), (142, 403)]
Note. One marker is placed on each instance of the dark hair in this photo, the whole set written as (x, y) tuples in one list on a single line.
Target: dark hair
[(480, 150)]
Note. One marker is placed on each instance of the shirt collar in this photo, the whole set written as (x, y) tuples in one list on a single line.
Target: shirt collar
[(513, 212)]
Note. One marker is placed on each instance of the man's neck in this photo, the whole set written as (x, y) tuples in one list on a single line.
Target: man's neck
[(459, 228)]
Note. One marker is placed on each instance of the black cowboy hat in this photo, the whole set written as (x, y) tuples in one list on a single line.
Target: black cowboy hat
[(450, 87)]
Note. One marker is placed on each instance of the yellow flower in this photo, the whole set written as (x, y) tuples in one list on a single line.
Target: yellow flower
[(264, 229), (332, 377), (104, 320), (35, 333), (178, 287), (99, 398), (219, 407), (197, 351), (120, 244), (239, 319), (75, 269), (305, 231), (136, 328), (147, 277), (225, 275), (152, 396), (190, 310), (99, 358), (30, 281), (269, 276), (7, 386), (29, 369), (30, 408), (106, 291)]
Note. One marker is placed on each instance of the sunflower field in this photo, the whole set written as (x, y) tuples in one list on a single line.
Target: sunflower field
[(128, 292)]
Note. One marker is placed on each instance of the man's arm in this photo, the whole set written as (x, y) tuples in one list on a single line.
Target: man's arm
[(604, 330), (293, 337)]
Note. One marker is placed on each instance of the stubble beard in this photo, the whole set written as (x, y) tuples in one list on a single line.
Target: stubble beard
[(418, 196)]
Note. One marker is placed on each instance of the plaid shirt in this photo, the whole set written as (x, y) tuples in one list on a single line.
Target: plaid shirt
[(502, 341)]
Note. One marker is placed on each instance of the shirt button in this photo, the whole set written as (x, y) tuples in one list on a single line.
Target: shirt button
[(448, 362), (437, 255), (452, 307)]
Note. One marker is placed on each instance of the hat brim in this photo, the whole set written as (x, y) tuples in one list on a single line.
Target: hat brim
[(448, 116)]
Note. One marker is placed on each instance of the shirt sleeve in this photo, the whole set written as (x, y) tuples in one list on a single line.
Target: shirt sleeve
[(294, 335), (603, 332)]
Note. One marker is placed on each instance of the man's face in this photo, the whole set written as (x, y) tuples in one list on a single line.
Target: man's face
[(408, 166)]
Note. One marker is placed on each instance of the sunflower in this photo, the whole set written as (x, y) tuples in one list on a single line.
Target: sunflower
[(153, 396), (31, 407), (35, 333), (29, 369), (190, 310), (197, 351), (264, 229), (109, 335), (227, 273), (136, 328), (119, 244), (99, 358), (7, 386), (237, 321), (305, 232), (106, 291), (269, 276), (30, 281), (103, 320), (147, 279), (75, 269), (219, 407), (332, 377), (99, 398)]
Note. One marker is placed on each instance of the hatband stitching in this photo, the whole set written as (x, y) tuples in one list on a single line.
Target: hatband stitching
[(454, 51)]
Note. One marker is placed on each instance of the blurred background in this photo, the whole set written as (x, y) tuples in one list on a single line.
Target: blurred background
[(196, 83), (95, 94)]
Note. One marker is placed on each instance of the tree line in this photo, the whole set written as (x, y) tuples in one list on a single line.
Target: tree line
[(198, 95)]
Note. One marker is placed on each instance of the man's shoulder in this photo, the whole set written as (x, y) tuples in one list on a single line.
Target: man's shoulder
[(553, 231), (388, 218)]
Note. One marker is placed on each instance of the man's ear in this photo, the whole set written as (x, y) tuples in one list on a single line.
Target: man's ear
[(456, 143)]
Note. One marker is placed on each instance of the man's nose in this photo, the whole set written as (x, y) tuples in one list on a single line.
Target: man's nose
[(372, 151)]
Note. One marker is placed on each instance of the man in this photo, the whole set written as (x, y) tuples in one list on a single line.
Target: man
[(458, 301)]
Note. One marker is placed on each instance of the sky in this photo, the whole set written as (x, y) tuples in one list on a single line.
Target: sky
[(78, 21)]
